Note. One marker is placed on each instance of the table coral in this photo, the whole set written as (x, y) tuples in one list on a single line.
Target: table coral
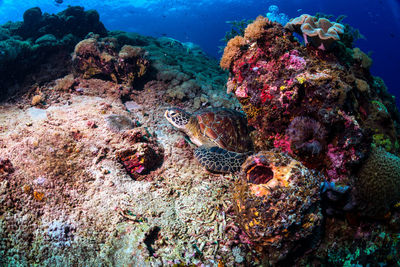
[(320, 32), (277, 204)]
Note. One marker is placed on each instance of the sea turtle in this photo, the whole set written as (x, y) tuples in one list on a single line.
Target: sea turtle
[(221, 134)]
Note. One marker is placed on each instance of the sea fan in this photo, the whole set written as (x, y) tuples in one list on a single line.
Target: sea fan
[(306, 135)]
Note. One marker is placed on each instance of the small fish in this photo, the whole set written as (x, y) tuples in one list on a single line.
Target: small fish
[(59, 1), (300, 9)]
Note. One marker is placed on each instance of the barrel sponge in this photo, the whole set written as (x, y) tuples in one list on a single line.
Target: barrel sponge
[(231, 49), (377, 186), (255, 30), (320, 32)]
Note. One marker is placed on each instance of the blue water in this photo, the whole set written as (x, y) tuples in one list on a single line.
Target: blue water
[(204, 22)]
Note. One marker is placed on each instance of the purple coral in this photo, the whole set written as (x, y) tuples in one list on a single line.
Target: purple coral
[(306, 135)]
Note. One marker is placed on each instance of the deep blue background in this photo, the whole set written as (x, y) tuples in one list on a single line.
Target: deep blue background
[(203, 22)]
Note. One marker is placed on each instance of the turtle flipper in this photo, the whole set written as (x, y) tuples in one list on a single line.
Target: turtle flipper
[(216, 159)]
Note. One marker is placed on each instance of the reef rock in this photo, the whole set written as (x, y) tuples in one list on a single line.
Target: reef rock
[(94, 58), (308, 102), (40, 43)]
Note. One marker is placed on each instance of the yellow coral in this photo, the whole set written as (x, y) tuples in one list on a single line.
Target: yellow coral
[(255, 30), (231, 49)]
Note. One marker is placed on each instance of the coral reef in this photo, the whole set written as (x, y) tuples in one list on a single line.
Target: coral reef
[(277, 204), (100, 58), (42, 42), (305, 102), (255, 30), (78, 186), (306, 135), (320, 32)]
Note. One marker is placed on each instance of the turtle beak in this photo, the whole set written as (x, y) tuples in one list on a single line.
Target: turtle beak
[(166, 114)]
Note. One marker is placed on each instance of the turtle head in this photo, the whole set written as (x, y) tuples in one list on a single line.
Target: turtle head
[(178, 117)]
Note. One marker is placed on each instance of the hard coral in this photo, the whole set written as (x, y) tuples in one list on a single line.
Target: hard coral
[(320, 32), (377, 184), (277, 204), (99, 58)]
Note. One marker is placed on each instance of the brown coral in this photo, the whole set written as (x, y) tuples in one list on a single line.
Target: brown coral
[(231, 49), (277, 203), (320, 32), (255, 30), (378, 183)]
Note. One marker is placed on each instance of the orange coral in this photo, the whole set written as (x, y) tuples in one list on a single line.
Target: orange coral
[(231, 49), (38, 195), (255, 30)]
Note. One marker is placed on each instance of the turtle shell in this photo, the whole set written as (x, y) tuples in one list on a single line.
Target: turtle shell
[(226, 128)]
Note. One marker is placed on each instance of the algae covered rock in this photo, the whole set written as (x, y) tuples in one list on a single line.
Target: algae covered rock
[(306, 101), (100, 58), (277, 203), (28, 46)]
